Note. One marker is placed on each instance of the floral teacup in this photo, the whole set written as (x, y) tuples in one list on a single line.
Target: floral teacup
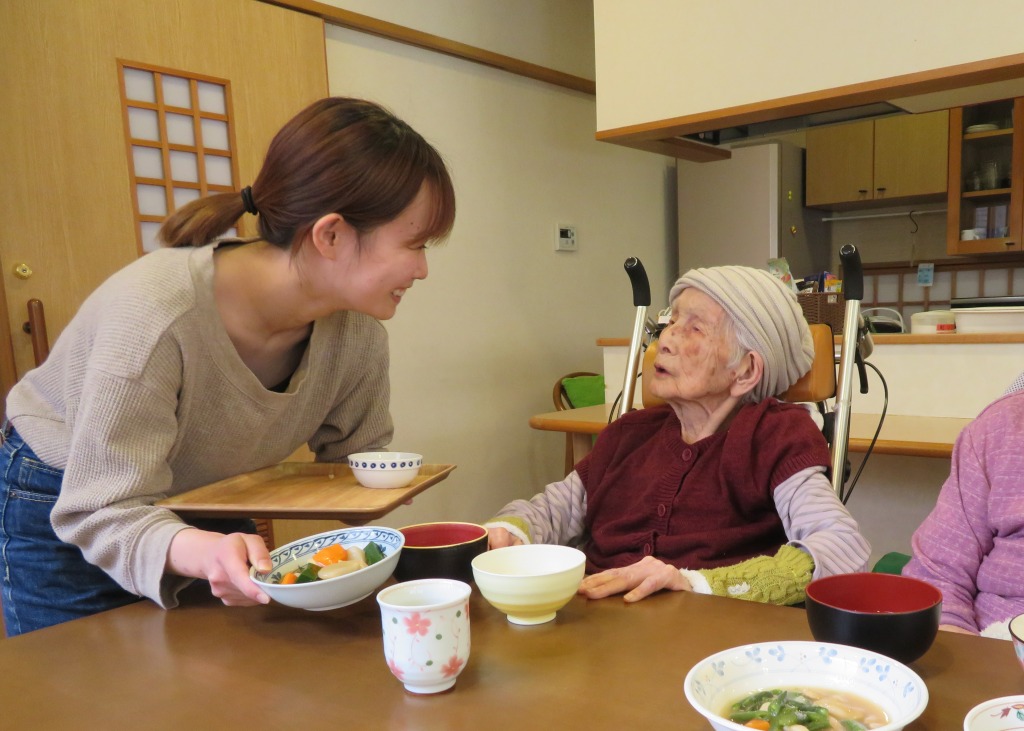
[(426, 632)]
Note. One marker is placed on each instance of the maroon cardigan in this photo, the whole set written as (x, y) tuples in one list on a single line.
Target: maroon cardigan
[(696, 505)]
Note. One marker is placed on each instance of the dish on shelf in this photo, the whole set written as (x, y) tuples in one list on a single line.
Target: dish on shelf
[(981, 128)]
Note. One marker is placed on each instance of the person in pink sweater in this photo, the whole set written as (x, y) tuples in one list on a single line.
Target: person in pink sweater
[(971, 546)]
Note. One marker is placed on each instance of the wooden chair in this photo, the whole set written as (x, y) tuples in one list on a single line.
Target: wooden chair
[(562, 403)]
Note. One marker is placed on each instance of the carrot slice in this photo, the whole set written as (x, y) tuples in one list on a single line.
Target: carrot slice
[(330, 554), (290, 578), (758, 723)]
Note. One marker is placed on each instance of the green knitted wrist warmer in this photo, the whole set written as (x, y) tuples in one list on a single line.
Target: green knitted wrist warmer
[(778, 579), (511, 520)]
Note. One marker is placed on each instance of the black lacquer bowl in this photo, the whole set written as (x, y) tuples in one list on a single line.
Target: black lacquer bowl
[(440, 551), (893, 615)]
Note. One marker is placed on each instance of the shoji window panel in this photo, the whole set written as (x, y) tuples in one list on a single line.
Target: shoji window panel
[(180, 141)]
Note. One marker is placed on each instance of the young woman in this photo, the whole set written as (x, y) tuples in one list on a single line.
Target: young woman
[(214, 357)]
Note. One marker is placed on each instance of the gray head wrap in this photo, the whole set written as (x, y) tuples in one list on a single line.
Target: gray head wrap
[(766, 314)]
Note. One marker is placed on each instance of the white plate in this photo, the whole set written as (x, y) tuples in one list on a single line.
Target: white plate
[(981, 128), (998, 714)]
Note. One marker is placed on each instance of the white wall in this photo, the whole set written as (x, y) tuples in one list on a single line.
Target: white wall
[(659, 59), (477, 347)]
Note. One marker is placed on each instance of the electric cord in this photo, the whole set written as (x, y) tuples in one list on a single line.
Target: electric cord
[(616, 401), (846, 492)]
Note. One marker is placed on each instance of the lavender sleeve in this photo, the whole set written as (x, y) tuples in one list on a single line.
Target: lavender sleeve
[(949, 546)]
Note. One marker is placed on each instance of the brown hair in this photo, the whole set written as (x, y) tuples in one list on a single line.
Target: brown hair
[(339, 155)]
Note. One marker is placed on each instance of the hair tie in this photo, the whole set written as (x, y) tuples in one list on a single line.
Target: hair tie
[(247, 201)]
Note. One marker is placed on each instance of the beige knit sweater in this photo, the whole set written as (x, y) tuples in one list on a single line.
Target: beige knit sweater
[(144, 396)]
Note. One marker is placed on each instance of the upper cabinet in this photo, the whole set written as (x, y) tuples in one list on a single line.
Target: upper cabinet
[(885, 161), (986, 178), (668, 70)]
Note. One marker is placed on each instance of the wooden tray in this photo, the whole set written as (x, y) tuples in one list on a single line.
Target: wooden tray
[(301, 490)]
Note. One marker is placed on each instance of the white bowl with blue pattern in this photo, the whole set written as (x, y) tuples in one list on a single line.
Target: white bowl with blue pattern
[(341, 590), (716, 682), (385, 469)]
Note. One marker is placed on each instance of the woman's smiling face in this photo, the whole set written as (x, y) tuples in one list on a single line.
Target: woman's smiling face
[(697, 352), (387, 260)]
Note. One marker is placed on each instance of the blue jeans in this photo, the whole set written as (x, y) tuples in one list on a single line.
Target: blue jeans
[(45, 581)]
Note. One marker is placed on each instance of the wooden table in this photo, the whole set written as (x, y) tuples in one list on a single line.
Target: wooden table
[(600, 665), (913, 436)]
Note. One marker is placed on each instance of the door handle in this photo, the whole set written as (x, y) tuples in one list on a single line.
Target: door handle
[(36, 327)]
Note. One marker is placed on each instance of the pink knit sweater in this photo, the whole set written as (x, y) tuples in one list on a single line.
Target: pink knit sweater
[(971, 546)]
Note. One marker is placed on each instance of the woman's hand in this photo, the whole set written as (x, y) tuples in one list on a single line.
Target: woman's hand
[(500, 537), (642, 579), (954, 628), (224, 561)]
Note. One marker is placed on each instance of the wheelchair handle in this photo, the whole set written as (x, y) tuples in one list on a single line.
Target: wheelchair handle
[(853, 273), (638, 278)]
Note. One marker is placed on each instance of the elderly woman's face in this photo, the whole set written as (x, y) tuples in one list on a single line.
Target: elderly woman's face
[(694, 351)]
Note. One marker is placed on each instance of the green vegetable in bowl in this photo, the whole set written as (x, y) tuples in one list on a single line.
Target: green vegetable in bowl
[(310, 572), (805, 709), (373, 553), (780, 708)]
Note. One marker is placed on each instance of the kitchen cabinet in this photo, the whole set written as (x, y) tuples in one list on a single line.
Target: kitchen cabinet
[(892, 160), (985, 212)]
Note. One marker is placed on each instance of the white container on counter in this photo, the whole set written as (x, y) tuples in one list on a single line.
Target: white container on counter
[(990, 320), (933, 321)]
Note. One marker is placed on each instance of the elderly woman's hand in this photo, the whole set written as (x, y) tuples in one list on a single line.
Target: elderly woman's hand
[(642, 579), (500, 537)]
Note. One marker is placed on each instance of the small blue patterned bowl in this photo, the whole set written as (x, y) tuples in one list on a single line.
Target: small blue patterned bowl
[(716, 682), (385, 469), (341, 590)]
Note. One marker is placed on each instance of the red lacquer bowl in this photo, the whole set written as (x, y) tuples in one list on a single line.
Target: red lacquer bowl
[(896, 616), (440, 551)]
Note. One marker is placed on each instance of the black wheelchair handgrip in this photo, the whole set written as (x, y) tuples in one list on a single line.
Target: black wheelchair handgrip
[(638, 278)]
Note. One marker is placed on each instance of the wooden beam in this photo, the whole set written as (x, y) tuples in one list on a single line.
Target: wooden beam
[(680, 148), (402, 34)]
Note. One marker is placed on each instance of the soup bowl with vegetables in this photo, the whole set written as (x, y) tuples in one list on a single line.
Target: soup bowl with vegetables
[(331, 569), (804, 686)]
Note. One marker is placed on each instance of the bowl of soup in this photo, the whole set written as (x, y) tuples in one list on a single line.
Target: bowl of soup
[(794, 682), (1017, 636)]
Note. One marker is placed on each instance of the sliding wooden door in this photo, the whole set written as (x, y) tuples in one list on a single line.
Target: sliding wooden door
[(66, 198)]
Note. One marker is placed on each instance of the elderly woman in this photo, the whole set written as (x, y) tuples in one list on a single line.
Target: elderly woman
[(721, 490)]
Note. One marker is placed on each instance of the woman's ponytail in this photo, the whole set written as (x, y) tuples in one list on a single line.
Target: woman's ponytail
[(203, 220)]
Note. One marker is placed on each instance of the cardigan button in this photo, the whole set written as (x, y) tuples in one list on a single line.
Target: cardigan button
[(687, 454), (661, 510), (647, 549)]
